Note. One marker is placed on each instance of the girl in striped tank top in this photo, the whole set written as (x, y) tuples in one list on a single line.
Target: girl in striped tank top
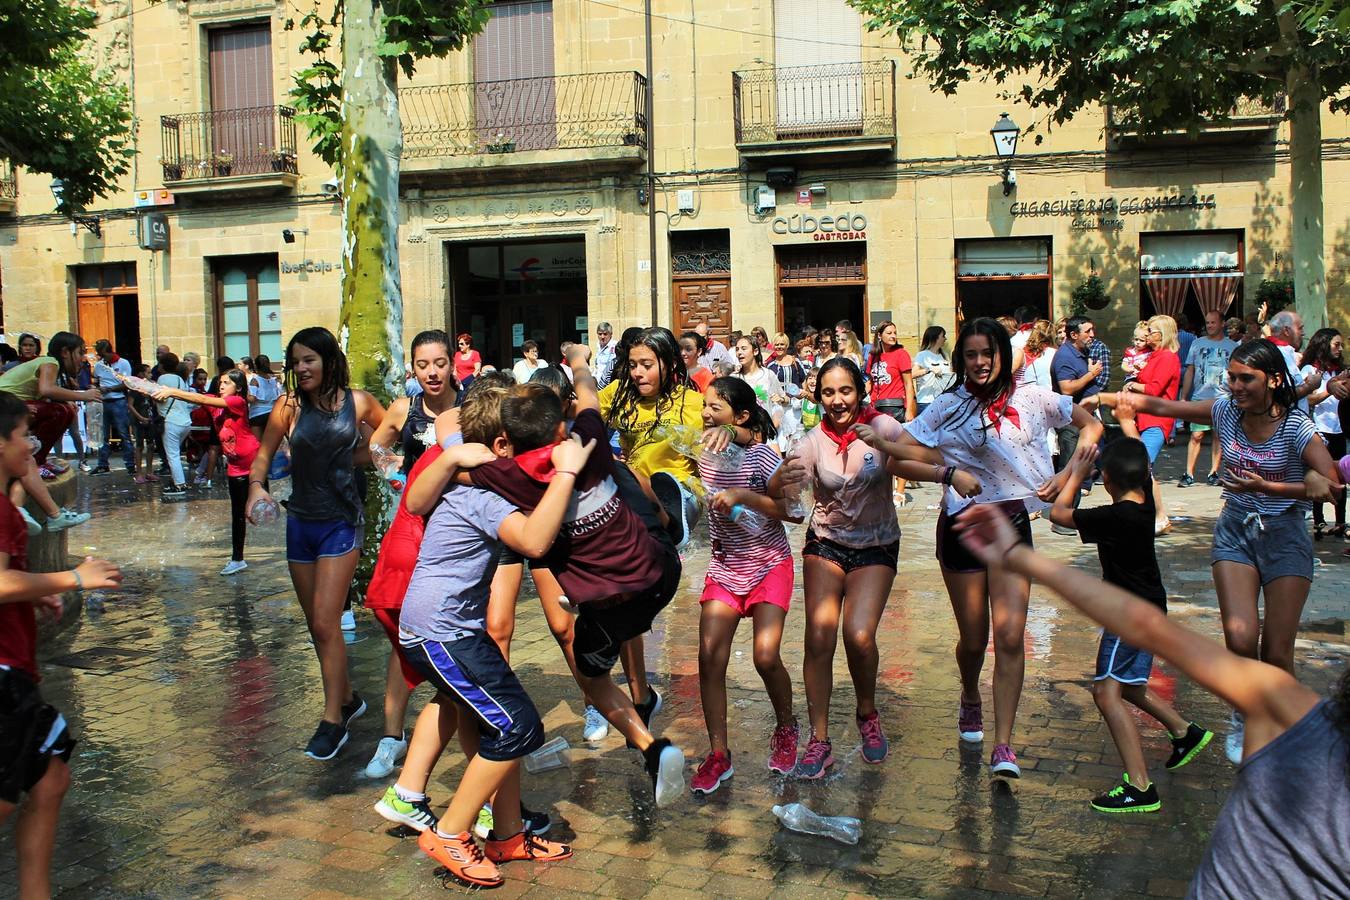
[(750, 576)]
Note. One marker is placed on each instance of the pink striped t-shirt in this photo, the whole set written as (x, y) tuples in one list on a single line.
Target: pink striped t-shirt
[(741, 557)]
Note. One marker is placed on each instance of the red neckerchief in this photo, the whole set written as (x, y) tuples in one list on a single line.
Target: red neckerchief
[(865, 415), (1002, 409), (1279, 343), (537, 463), (1026, 327)]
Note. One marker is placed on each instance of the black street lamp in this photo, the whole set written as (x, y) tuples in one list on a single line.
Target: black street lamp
[(1004, 133), (90, 222)]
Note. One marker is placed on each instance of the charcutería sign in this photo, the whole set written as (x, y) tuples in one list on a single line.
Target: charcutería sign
[(1110, 206), (825, 228)]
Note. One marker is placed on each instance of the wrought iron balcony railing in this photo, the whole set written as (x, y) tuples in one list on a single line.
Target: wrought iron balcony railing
[(554, 112), (9, 184), (225, 142), (812, 103), (1250, 112)]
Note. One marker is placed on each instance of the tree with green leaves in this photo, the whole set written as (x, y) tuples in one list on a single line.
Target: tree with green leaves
[(58, 114), (1171, 64)]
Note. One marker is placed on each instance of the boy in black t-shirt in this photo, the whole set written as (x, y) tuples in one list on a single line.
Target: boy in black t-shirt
[(1123, 533)]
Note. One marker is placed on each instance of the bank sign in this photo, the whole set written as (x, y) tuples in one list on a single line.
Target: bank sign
[(823, 228)]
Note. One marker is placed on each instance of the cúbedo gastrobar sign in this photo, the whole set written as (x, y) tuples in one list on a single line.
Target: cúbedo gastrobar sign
[(846, 227)]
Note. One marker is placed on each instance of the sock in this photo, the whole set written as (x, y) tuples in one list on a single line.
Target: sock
[(395, 737), (408, 796), (449, 836)]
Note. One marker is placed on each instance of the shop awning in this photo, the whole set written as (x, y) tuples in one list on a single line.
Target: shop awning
[(1208, 263), (992, 259)]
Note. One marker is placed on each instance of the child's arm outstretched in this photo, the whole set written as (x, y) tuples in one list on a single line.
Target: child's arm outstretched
[(583, 382), (913, 461), (1270, 698), (426, 490), (17, 586), (532, 535), (1061, 513)]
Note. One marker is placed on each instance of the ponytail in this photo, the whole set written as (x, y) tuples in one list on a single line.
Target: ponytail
[(742, 399)]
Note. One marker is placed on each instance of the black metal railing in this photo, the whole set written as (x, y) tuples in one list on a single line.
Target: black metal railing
[(225, 142), (804, 103), (606, 109), (9, 184), (1248, 113)]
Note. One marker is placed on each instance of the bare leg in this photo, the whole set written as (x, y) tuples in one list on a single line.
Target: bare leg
[(865, 593), (1215, 453), (1159, 709), (769, 620), (482, 779), (1237, 586), (1162, 517), (633, 656), (35, 833), (617, 707), (1284, 607), (501, 611), (1008, 596), (322, 590), (1193, 451), (716, 629), (970, 604), (823, 584), (396, 694), (34, 487), (1121, 725), (433, 730)]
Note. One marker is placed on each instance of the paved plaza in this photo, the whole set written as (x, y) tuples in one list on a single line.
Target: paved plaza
[(193, 695)]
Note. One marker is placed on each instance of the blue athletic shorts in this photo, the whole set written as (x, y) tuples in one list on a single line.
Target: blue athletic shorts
[(308, 541), (1117, 659), (1153, 439), (471, 671)]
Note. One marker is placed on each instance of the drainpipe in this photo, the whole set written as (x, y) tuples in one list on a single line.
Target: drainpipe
[(651, 166)]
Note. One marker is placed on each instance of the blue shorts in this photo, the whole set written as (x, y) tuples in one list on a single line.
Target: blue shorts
[(1122, 662), (1276, 546), (1153, 439), (471, 671), (308, 541)]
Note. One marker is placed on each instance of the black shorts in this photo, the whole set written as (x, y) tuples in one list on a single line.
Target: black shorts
[(600, 631), (32, 734), (850, 558), (954, 556), (893, 408), (472, 672)]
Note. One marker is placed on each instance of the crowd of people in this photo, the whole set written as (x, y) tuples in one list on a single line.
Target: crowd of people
[(599, 468)]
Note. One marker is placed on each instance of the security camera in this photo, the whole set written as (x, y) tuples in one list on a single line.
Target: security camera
[(288, 234), (1012, 177), (332, 187)]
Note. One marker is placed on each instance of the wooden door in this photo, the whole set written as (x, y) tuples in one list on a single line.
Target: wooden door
[(703, 299), (97, 321)]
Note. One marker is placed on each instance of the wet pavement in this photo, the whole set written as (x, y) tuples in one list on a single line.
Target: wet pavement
[(193, 695)]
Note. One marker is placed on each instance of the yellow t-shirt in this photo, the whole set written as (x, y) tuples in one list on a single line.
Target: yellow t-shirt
[(641, 449)]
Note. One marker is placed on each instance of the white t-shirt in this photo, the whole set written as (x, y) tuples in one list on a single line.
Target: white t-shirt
[(266, 392), (765, 383), (523, 370), (1012, 461), (854, 505), (1326, 415), (1295, 374), (937, 379)]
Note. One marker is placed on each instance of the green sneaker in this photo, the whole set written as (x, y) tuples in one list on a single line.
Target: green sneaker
[(1126, 798), (483, 827), (1188, 746), (416, 814)]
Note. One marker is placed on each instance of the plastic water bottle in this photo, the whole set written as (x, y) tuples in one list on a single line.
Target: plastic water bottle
[(552, 755), (141, 385), (390, 466), (845, 829), (747, 518), (796, 505), (727, 461), (265, 512), (685, 439)]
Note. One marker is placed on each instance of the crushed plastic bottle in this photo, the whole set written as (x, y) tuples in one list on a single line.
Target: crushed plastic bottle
[(265, 512), (686, 440), (552, 755), (141, 385), (390, 466), (797, 505), (747, 518), (725, 462), (845, 829)]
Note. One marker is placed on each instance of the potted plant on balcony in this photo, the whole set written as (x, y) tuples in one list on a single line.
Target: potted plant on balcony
[(173, 170), (223, 162), (500, 143), (281, 160)]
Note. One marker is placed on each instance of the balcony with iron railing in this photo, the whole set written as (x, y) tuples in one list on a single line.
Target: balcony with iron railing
[(492, 129), (229, 150), (1251, 118), (838, 110), (9, 187)]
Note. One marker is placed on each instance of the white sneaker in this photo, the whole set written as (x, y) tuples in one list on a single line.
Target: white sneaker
[(32, 523), (1236, 734), (597, 726), (348, 620), (387, 755), (234, 565), (66, 519)]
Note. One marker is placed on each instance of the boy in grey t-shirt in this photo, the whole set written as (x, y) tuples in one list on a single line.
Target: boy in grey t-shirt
[(1205, 378)]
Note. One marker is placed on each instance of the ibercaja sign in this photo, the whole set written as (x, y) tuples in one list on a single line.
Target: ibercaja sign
[(845, 227)]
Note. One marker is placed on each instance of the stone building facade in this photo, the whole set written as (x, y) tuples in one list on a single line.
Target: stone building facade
[(800, 177)]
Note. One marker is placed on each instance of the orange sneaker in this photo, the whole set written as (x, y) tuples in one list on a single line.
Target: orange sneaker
[(526, 846), (461, 856)]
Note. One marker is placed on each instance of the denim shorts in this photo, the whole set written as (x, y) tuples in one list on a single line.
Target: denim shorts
[(850, 558), (1275, 546), (308, 541), (1121, 662)]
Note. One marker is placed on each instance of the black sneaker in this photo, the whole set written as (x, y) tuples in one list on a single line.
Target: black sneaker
[(327, 741), (1213, 479), (353, 710), (1126, 798), (174, 492), (1188, 746), (668, 494), (664, 763), (650, 707), (1185, 481), (100, 470), (535, 822)]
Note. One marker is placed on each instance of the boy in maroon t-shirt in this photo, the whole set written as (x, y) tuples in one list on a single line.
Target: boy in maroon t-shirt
[(34, 740)]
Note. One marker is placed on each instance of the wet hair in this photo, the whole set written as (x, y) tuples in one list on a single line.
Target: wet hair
[(1125, 462), (430, 336), (239, 379), (930, 336), (556, 380), (480, 415), (740, 396), (758, 356), (623, 412), (29, 336), (335, 372), (1262, 354), (530, 415), (848, 365), (13, 412), (1002, 386), (700, 342), (62, 342), (1318, 352)]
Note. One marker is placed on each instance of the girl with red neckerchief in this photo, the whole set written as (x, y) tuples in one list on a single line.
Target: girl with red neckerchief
[(984, 438)]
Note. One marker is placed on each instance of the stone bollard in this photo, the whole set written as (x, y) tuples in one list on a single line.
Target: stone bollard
[(47, 552)]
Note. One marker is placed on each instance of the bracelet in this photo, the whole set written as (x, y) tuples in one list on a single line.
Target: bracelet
[(948, 475), (564, 472), (79, 582), (255, 481), (731, 430)]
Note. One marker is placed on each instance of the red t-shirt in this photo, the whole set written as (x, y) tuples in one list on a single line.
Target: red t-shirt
[(236, 438), (398, 551), (603, 549), (464, 367), (887, 371), (1160, 377), (18, 623)]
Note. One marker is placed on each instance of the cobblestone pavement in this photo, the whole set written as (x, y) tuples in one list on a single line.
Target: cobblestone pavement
[(192, 696)]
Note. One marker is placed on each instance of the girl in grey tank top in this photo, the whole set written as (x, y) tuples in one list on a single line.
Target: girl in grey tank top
[(323, 475)]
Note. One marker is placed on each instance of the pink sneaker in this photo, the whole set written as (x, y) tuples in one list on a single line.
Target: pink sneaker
[(1004, 762), (141, 479), (815, 760), (716, 769), (783, 749), (151, 476), (970, 722), (874, 745)]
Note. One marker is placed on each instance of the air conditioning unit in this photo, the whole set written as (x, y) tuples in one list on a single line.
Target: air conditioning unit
[(766, 199)]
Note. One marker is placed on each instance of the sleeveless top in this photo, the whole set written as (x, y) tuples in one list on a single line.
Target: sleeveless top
[(323, 477), (419, 433)]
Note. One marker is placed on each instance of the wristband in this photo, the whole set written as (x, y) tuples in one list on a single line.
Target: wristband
[(731, 430), (565, 472), (255, 481), (948, 475), (79, 582)]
